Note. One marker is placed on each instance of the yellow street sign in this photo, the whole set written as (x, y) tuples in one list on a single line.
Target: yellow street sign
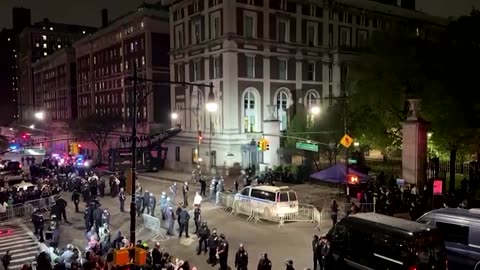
[(346, 141)]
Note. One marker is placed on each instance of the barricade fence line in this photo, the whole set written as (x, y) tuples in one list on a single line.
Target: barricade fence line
[(24, 211), (321, 218)]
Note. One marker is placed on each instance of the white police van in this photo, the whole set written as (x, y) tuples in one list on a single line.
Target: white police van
[(269, 201)]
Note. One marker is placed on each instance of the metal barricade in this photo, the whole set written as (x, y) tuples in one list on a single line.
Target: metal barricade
[(17, 212), (153, 224), (44, 203)]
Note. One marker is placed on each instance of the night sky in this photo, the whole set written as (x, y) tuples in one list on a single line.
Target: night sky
[(87, 12)]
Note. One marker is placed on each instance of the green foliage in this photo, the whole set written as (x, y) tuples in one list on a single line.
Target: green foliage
[(297, 125), (96, 128)]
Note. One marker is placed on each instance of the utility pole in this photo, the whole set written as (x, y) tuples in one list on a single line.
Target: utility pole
[(133, 203), (347, 155)]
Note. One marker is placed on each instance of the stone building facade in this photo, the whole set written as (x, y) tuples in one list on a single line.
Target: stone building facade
[(263, 55)]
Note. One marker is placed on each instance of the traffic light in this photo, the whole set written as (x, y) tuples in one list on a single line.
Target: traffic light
[(200, 138), (259, 145), (267, 145)]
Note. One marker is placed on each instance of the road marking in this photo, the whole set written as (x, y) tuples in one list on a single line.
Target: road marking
[(21, 243)]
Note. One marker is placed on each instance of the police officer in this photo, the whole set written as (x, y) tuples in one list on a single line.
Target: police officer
[(146, 201), (173, 189), (163, 204), (76, 199), (184, 218), (97, 218), (152, 203), (197, 217), (203, 185), (87, 219), (264, 263), (203, 234), (38, 223), (105, 217), (241, 258), (170, 219), (185, 194), (213, 242), (101, 186), (62, 205), (139, 203), (122, 198), (223, 252)]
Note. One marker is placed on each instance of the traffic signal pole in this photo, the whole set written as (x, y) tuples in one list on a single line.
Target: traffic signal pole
[(133, 203)]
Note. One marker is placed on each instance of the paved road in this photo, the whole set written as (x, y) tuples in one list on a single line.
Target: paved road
[(290, 242), (21, 243)]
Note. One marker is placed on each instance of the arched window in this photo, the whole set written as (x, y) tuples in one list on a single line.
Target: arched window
[(283, 99), (251, 111), (312, 98)]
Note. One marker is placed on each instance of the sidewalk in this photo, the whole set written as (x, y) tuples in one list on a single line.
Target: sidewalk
[(172, 176)]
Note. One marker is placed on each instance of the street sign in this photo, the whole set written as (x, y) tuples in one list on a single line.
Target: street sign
[(352, 161), (307, 146), (346, 141)]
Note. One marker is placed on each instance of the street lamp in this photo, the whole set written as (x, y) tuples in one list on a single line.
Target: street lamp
[(315, 110), (212, 107), (32, 126), (40, 115), (174, 116)]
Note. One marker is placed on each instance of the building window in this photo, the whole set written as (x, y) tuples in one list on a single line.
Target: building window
[(177, 153), (250, 24), (216, 67), (179, 72), (330, 74), (344, 37), (362, 38), (37, 45), (251, 115), (215, 25), (312, 98), (45, 53), (250, 60), (179, 37), (282, 106), (283, 26), (282, 69), (196, 38), (312, 30), (311, 71), (196, 71), (330, 94), (44, 37), (44, 45)]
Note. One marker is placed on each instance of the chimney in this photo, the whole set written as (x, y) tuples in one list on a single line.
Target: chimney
[(104, 18)]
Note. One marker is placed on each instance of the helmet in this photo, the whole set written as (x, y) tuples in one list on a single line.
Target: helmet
[(204, 223)]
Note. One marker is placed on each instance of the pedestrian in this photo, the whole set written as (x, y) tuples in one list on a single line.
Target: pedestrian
[(105, 217), (62, 205), (289, 265), (170, 219), (152, 203), (38, 223), (324, 253), (122, 198), (101, 186), (87, 219), (138, 204), (264, 263), (197, 200), (213, 243), (157, 256), (222, 252), (76, 199), (197, 217), (203, 235), (203, 186), (334, 212), (185, 193), (6, 260), (235, 186), (241, 258), (184, 218), (146, 201), (316, 252), (173, 190)]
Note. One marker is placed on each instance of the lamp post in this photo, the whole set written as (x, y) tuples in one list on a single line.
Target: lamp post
[(212, 107), (135, 79)]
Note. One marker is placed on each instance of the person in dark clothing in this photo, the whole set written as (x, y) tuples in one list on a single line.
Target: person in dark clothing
[(196, 218), (316, 252), (324, 253), (76, 199), (223, 252), (157, 256), (184, 218), (241, 258), (177, 212), (334, 212), (213, 242), (264, 263), (62, 205), (38, 223), (289, 265), (6, 260), (203, 186), (203, 235)]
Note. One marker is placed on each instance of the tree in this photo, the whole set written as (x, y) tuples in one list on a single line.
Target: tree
[(96, 128)]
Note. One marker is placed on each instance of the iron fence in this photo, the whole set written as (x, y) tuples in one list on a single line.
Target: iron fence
[(24, 211)]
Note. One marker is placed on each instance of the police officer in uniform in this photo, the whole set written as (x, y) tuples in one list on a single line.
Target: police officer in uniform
[(197, 217), (38, 223), (241, 258), (264, 263), (213, 242), (184, 218), (146, 201), (185, 190), (203, 235), (87, 219), (122, 198), (223, 252), (170, 219), (76, 199), (151, 204)]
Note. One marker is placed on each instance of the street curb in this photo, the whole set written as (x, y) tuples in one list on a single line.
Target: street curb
[(153, 178)]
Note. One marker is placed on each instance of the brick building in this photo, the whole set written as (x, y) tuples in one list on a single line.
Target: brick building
[(263, 57), (106, 58), (34, 43)]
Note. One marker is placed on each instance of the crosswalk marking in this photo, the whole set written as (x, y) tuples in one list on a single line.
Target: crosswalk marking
[(21, 243)]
